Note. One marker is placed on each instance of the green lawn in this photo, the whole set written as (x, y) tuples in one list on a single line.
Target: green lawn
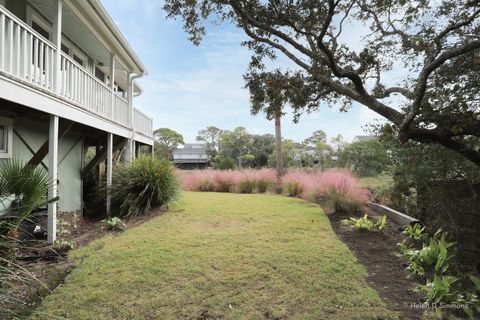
[(220, 256), (383, 180)]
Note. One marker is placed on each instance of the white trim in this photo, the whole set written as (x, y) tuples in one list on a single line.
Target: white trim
[(8, 124)]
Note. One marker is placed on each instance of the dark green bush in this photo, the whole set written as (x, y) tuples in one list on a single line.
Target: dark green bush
[(144, 184), (224, 164)]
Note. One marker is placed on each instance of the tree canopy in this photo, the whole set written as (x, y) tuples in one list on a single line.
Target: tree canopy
[(435, 44), (166, 140), (211, 136)]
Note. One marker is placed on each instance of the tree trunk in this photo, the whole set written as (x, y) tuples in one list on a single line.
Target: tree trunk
[(278, 147)]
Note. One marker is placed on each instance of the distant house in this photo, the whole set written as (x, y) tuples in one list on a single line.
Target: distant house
[(363, 138), (191, 156)]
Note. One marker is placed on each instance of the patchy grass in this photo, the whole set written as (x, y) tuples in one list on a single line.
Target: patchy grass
[(220, 256)]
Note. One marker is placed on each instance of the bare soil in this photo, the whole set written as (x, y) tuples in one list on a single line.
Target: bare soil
[(386, 272)]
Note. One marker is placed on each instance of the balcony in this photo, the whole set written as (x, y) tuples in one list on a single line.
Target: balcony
[(29, 58)]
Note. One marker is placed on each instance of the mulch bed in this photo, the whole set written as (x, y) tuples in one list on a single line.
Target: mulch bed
[(386, 272)]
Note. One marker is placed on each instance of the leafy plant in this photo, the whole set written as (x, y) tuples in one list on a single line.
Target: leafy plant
[(381, 223), (415, 232), (363, 223), (439, 290), (146, 183), (114, 223), (431, 259)]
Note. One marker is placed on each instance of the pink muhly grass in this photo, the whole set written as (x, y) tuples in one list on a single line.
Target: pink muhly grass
[(341, 189), (225, 181), (296, 182), (265, 179)]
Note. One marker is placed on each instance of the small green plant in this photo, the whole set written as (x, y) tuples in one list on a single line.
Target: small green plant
[(381, 223), (415, 232), (114, 223), (365, 224), (362, 224)]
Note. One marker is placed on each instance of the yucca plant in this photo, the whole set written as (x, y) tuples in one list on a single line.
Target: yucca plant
[(144, 184)]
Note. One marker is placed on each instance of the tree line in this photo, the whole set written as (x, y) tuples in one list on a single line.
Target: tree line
[(238, 148)]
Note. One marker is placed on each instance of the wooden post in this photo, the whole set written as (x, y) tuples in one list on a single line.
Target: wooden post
[(57, 41), (53, 175), (109, 170)]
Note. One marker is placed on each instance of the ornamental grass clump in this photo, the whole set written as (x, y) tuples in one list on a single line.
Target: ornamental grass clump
[(341, 190), (294, 183), (144, 184), (225, 181), (246, 182), (265, 179), (338, 188)]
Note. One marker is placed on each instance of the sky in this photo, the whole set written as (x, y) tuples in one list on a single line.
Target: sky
[(189, 88)]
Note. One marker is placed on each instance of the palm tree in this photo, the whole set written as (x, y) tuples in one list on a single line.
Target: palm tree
[(269, 93)]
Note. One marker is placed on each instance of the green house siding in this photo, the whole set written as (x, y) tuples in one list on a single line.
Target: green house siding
[(29, 135)]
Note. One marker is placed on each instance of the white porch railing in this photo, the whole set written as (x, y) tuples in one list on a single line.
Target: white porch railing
[(29, 57), (120, 113), (143, 124)]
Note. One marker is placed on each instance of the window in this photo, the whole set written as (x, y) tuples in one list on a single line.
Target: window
[(99, 74), (40, 30), (78, 60), (6, 132), (65, 49)]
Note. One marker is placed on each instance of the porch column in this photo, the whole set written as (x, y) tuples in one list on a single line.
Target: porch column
[(112, 83), (53, 175), (130, 150), (109, 170), (57, 41)]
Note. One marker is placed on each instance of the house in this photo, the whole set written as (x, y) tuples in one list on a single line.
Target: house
[(67, 83), (191, 156), (363, 138)]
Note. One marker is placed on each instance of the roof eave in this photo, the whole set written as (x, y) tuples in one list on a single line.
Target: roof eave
[(111, 33)]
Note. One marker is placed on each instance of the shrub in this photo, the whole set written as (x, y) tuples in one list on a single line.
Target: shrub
[(144, 184), (225, 164), (26, 187)]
